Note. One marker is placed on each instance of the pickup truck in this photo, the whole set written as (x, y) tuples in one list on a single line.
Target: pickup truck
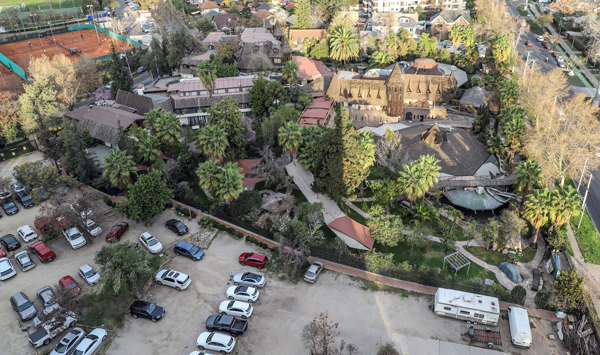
[(48, 331), (227, 324)]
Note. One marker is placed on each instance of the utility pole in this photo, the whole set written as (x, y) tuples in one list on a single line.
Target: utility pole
[(33, 16), (94, 21), (585, 198), (54, 39), (127, 59), (526, 61), (581, 178)]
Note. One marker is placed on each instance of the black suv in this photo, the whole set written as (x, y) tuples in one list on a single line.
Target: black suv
[(177, 227), (24, 198), (146, 310), (9, 206)]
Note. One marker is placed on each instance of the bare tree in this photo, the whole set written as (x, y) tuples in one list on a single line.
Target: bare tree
[(87, 74), (318, 16), (389, 153), (542, 92), (61, 75), (273, 169), (319, 337), (569, 7), (67, 310)]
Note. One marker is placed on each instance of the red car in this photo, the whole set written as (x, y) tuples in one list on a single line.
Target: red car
[(62, 221), (115, 233), (68, 283), (544, 43), (2, 253), (42, 251), (253, 259), (43, 225), (528, 43)]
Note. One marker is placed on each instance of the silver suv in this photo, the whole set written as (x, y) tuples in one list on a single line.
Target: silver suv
[(23, 306)]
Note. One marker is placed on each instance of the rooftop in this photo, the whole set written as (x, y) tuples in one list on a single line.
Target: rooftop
[(221, 83), (354, 230), (259, 34)]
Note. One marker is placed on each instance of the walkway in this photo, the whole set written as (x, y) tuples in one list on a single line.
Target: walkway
[(591, 272)]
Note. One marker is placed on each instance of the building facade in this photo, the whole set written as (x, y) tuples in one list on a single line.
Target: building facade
[(391, 22), (263, 48), (419, 92), (442, 23), (372, 6)]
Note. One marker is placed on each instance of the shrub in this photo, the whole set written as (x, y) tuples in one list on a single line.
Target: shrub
[(108, 201), (206, 222), (238, 234), (49, 236), (518, 292), (251, 239)]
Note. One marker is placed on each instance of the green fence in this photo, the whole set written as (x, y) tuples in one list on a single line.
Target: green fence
[(105, 31), (12, 66)]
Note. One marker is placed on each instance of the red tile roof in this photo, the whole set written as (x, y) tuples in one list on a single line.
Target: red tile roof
[(306, 68), (252, 181), (354, 230), (311, 122), (247, 164), (321, 104), (290, 6), (322, 68), (208, 5), (317, 95), (315, 113)]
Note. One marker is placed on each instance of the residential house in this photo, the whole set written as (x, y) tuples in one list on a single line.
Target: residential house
[(227, 23), (370, 7), (391, 22), (189, 64), (104, 123), (298, 36), (207, 6), (264, 48), (442, 23), (142, 103), (313, 75), (210, 14), (422, 91), (319, 112), (263, 15), (264, 7)]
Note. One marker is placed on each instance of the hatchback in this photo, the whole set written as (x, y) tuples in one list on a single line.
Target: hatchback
[(151, 243), (10, 242), (188, 250), (23, 306), (67, 283), (89, 274), (146, 310), (24, 260), (254, 259)]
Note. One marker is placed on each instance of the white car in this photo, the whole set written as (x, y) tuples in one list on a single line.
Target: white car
[(69, 342), (313, 271), (89, 274), (216, 341), (75, 238), (151, 243), (92, 228), (236, 309), (17, 187), (24, 260), (91, 342), (177, 280), (540, 38), (243, 293), (6, 269), (27, 233), (249, 279)]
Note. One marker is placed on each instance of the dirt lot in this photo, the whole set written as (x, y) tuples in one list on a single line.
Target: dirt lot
[(366, 317), (13, 341)]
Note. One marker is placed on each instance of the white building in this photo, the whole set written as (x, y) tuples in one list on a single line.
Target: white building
[(372, 6)]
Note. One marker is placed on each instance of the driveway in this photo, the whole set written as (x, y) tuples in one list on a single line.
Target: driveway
[(13, 341), (366, 317)]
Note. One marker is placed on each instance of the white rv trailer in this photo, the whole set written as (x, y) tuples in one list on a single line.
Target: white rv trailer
[(467, 306)]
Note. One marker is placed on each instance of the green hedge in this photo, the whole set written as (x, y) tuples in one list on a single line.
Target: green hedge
[(255, 241), (18, 149)]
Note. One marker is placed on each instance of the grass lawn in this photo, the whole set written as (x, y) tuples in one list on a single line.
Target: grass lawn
[(587, 238), (521, 10), (535, 28), (493, 257), (574, 80), (299, 196), (352, 213)]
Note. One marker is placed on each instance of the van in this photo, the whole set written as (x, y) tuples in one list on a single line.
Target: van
[(520, 331)]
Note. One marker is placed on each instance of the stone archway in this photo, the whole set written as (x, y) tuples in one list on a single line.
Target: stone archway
[(409, 116)]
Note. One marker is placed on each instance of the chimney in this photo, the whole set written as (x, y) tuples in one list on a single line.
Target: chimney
[(90, 107)]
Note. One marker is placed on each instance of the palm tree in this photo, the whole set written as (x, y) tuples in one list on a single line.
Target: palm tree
[(367, 145), (167, 129), (290, 137), (566, 202), (208, 77), (431, 168), (146, 149), (344, 44), (380, 59), (289, 71), (513, 130), (416, 179), (119, 168), (496, 147), (207, 173), (537, 210), (151, 117), (229, 182), (213, 142), (423, 213), (528, 176)]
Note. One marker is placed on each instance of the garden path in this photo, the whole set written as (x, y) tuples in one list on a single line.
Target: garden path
[(356, 209)]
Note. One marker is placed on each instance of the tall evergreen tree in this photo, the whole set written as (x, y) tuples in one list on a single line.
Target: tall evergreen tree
[(119, 73), (226, 115), (181, 45), (303, 13), (257, 96), (147, 197), (79, 162)]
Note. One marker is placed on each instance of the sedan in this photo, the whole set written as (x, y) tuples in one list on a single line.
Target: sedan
[(249, 279), (243, 293), (539, 38), (236, 309), (116, 232), (151, 243), (17, 187), (75, 238), (561, 64), (68, 283), (92, 228), (140, 70), (91, 342), (27, 233), (46, 296), (42, 251), (188, 250), (67, 345), (313, 271), (216, 341), (9, 207), (548, 47), (89, 274), (177, 280), (6, 269), (24, 260), (528, 43), (177, 227), (10, 242), (254, 259)]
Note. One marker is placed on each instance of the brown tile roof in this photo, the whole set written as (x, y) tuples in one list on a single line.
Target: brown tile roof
[(263, 14), (103, 121), (225, 20), (290, 6), (306, 68), (315, 113), (252, 181), (208, 5), (220, 83), (299, 35), (247, 164), (354, 230)]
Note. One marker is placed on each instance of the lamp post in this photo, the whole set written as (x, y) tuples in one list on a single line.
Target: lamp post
[(33, 16), (127, 59), (54, 39), (94, 21)]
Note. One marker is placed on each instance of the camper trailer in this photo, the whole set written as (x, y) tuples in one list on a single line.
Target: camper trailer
[(520, 331), (467, 306)]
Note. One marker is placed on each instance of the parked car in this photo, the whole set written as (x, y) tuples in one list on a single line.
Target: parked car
[(24, 260), (5, 193), (146, 310), (177, 227), (151, 243), (68, 283), (528, 43), (46, 296), (561, 64), (7, 269), (27, 233), (140, 70), (227, 324), (2, 253), (216, 341), (23, 306), (544, 43), (254, 259), (10, 242), (24, 199), (92, 228), (243, 293), (249, 279), (313, 271), (539, 38), (175, 279), (61, 220), (188, 250), (49, 331), (74, 237), (548, 47), (42, 251), (89, 274), (91, 342), (135, 7), (236, 309), (68, 344), (9, 207), (17, 187), (43, 225), (115, 233)]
